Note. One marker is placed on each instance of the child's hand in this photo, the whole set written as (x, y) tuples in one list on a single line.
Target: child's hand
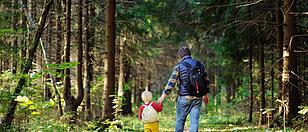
[(206, 99), (161, 99)]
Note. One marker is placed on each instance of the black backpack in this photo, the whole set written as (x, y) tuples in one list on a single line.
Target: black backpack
[(197, 85)]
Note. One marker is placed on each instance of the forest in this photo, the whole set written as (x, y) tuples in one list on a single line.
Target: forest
[(81, 65)]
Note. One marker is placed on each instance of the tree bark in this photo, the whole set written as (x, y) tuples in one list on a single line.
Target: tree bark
[(46, 57), (72, 103), (233, 91), (79, 57), (90, 33), (32, 15), (279, 41), (290, 60), (15, 39), (59, 37), (214, 93), (134, 84), (127, 104), (272, 77), (33, 9), (67, 89), (7, 120), (139, 91), (67, 95), (110, 62), (148, 81), (250, 82), (121, 79), (23, 44), (262, 82), (229, 90)]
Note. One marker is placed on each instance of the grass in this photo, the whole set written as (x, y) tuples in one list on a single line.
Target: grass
[(210, 120), (216, 119)]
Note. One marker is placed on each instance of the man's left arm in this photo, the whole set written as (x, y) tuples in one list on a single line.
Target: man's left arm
[(170, 85)]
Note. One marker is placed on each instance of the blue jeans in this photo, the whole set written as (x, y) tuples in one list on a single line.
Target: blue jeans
[(184, 107)]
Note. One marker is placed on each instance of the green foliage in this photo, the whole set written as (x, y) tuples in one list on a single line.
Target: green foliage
[(34, 107), (7, 83), (141, 29), (113, 125), (6, 32), (55, 69), (304, 110)]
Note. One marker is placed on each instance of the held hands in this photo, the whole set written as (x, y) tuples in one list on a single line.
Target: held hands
[(206, 99), (162, 98)]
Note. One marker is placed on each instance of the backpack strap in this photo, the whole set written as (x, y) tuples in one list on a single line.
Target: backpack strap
[(148, 105), (186, 64), (198, 64)]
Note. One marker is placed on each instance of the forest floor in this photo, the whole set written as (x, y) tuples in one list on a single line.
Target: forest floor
[(207, 123), (226, 118), (222, 117)]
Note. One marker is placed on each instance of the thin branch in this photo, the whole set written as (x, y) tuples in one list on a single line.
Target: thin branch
[(300, 51), (275, 63), (249, 4), (302, 35), (290, 7), (227, 5), (53, 79), (300, 77), (297, 13)]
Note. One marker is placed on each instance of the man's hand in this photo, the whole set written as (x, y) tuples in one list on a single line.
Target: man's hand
[(161, 99), (206, 99)]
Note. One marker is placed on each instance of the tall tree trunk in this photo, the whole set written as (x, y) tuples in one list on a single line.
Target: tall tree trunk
[(110, 62), (1, 66), (127, 104), (46, 57), (214, 93), (229, 91), (32, 15), (33, 9), (121, 78), (279, 41), (23, 44), (68, 98), (290, 60), (15, 39), (59, 36), (262, 82), (90, 33), (148, 81), (139, 91), (71, 104), (233, 91), (134, 85), (250, 82), (79, 56), (7, 120), (272, 77)]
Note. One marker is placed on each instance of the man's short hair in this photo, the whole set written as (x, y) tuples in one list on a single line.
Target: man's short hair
[(146, 96), (184, 51)]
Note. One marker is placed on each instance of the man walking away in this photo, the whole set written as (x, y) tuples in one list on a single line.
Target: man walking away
[(191, 77)]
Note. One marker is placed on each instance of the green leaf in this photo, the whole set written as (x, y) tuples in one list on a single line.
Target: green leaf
[(303, 111), (35, 113)]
